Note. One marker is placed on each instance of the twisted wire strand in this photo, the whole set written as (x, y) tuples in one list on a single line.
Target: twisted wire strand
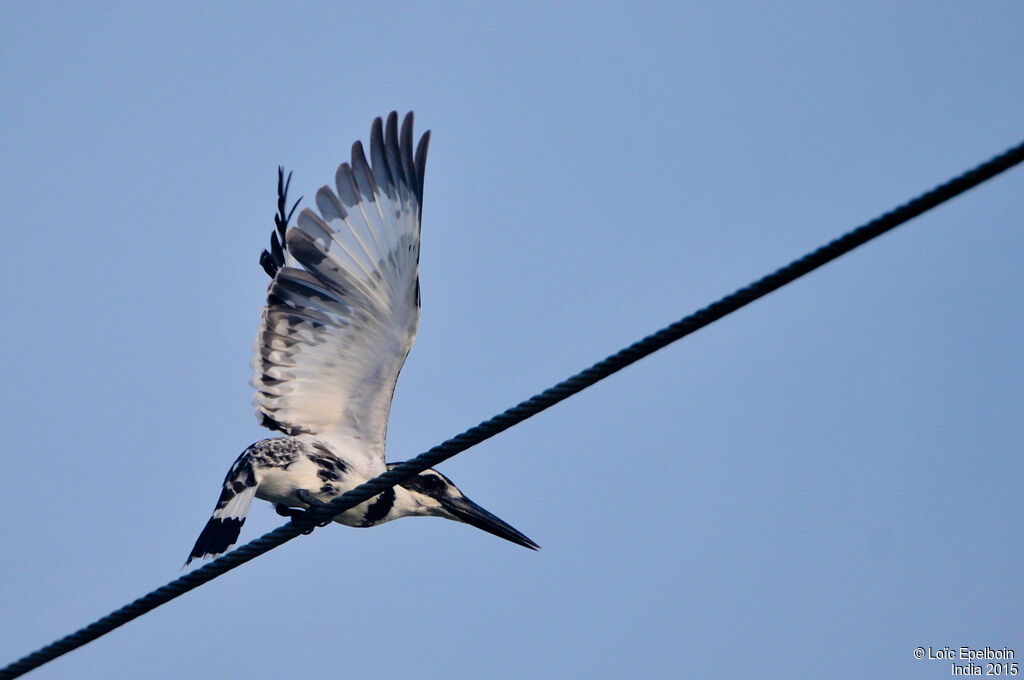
[(520, 412)]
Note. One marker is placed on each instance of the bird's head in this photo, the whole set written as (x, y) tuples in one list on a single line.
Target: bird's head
[(431, 493)]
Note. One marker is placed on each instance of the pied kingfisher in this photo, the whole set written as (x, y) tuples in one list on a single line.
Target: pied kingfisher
[(341, 316)]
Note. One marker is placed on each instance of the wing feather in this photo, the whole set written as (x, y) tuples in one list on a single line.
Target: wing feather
[(342, 312)]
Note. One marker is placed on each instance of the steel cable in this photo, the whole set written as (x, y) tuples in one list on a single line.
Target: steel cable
[(522, 411)]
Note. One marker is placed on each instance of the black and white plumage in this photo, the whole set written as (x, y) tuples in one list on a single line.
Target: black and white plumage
[(341, 316)]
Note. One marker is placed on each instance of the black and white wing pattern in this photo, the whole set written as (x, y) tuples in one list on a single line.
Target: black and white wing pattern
[(343, 307)]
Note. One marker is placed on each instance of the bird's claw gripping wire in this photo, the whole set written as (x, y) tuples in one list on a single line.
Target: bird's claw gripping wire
[(309, 499), (314, 503), (296, 515), (285, 511)]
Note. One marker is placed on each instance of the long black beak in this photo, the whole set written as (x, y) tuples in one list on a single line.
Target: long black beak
[(469, 512)]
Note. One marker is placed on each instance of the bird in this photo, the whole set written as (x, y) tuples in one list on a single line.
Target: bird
[(341, 315)]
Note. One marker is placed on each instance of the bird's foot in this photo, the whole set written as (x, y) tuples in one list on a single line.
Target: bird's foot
[(285, 511), (309, 499), (314, 503), (294, 514)]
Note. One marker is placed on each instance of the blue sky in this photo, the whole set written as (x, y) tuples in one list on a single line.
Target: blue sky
[(813, 486)]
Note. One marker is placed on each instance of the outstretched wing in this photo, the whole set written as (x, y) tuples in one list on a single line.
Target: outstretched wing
[(343, 307)]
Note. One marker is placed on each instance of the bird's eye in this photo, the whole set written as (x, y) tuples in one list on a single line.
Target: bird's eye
[(432, 483)]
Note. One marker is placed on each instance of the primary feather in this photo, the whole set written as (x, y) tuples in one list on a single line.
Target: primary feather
[(335, 332)]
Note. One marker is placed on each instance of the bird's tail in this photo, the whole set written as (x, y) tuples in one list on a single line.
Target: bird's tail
[(221, 531)]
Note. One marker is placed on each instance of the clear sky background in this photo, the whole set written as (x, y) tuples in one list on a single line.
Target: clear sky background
[(813, 486)]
